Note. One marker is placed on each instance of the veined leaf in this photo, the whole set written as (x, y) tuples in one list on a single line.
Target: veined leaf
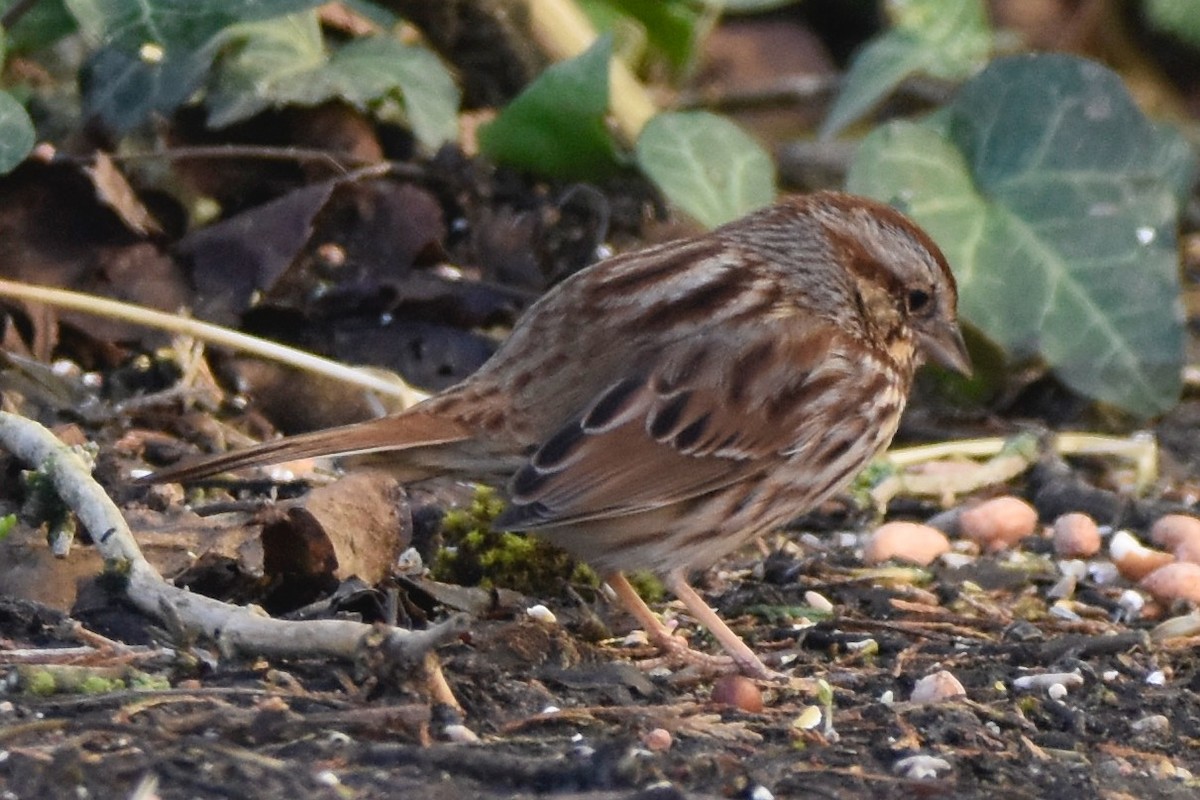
[(1056, 202)]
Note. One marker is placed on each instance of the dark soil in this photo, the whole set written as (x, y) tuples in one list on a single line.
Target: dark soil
[(559, 716)]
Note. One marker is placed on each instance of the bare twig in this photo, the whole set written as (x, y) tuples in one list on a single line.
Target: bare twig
[(235, 629), (563, 31), (346, 163), (1006, 460), (213, 334)]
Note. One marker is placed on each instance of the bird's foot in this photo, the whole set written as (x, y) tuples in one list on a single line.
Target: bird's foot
[(677, 654)]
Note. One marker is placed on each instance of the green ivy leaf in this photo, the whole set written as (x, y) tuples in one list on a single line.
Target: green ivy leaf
[(264, 61), (41, 26), (1056, 202), (945, 39), (1178, 17), (556, 126), (17, 135), (706, 166), (154, 54), (673, 27), (376, 69), (284, 61)]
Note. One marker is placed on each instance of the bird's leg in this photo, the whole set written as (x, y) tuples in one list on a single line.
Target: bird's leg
[(740, 654)]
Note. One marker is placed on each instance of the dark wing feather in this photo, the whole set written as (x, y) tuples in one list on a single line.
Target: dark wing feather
[(709, 415)]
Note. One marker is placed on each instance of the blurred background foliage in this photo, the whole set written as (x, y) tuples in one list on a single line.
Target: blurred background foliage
[(1049, 147)]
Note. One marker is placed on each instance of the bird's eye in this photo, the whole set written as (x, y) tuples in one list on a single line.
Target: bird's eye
[(917, 300)]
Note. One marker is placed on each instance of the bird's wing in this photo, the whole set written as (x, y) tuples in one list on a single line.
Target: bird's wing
[(708, 414)]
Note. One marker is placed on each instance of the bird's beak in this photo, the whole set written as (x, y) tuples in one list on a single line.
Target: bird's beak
[(945, 345)]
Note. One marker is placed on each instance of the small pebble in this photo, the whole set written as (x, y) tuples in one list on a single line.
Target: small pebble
[(1183, 626), (1109, 675), (760, 792), (1133, 559), (1073, 568), (410, 562), (542, 614), (1076, 536), (1156, 678), (999, 523), (1177, 581), (1046, 680), (460, 734), (957, 560), (937, 687), (739, 692), (1155, 723), (1103, 573), (920, 767), (1172, 530), (818, 602), (1187, 550), (1064, 588), (657, 740), (1056, 691), (905, 541), (809, 719), (1131, 604)]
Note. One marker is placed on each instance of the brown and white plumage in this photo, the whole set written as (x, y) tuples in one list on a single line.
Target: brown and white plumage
[(657, 409)]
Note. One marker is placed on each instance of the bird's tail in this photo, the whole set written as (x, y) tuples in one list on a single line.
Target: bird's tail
[(395, 433)]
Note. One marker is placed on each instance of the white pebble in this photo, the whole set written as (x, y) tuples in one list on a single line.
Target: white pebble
[(1073, 568), (1157, 678), (1109, 675), (410, 561), (1046, 680), (958, 560), (809, 718), (818, 602), (1103, 572), (937, 687), (542, 614), (920, 767), (327, 778), (1063, 589), (635, 638), (460, 734), (846, 539), (1131, 604), (1186, 625), (1056, 691), (760, 792), (1155, 723)]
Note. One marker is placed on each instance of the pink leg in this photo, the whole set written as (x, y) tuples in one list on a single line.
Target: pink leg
[(742, 656)]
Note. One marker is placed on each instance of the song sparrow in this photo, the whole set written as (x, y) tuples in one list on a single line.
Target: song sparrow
[(658, 409)]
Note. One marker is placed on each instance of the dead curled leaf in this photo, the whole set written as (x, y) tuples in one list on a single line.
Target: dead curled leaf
[(356, 526)]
